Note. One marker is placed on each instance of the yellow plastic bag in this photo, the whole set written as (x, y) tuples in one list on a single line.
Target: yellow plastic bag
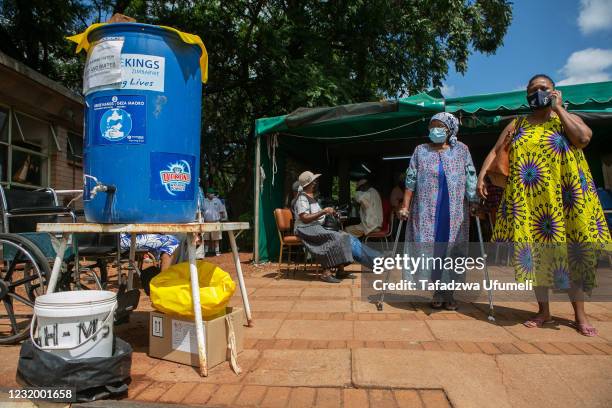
[(171, 290)]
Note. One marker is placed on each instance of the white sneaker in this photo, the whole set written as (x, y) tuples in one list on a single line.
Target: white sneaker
[(217, 254)]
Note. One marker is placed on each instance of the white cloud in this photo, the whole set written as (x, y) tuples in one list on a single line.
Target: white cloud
[(448, 90), (595, 15), (588, 65)]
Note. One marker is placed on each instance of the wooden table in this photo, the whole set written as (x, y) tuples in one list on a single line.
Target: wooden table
[(191, 229)]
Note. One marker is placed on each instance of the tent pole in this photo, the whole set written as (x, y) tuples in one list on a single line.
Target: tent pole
[(256, 200)]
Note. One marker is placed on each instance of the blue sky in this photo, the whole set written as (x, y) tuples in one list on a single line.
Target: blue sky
[(570, 40)]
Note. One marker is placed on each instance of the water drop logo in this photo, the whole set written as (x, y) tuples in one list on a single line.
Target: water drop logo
[(176, 178), (115, 124)]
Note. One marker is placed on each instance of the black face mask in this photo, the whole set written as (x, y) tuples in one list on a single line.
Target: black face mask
[(539, 99)]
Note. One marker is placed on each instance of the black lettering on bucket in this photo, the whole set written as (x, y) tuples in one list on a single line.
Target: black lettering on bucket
[(93, 325), (105, 331), (50, 335)]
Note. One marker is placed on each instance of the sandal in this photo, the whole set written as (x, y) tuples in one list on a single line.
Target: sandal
[(585, 329), (436, 304), (537, 321), (452, 305)]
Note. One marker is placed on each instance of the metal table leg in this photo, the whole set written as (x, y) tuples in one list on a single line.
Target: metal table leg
[(131, 262), (57, 264), (197, 308), (243, 291)]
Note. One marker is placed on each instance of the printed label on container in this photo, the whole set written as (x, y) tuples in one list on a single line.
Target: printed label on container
[(121, 119), (172, 176), (184, 337), (103, 66), (144, 72), (157, 328)]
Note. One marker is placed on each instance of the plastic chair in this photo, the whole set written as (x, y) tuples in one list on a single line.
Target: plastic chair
[(284, 224)]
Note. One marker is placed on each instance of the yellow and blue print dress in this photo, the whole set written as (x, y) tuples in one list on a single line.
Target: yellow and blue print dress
[(550, 209)]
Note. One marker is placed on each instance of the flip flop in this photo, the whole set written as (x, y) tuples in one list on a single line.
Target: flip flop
[(536, 322), (586, 329)]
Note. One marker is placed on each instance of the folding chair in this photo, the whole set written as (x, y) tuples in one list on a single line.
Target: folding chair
[(284, 224)]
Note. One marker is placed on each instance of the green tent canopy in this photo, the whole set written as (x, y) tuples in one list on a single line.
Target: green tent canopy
[(313, 132), (354, 120), (577, 96)]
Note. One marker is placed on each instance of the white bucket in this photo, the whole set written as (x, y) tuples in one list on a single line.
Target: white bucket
[(75, 325)]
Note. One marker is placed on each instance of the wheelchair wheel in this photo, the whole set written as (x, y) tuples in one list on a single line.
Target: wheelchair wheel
[(24, 271)]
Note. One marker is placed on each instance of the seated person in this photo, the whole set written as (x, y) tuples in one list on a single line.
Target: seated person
[(332, 249), (370, 210), (162, 246)]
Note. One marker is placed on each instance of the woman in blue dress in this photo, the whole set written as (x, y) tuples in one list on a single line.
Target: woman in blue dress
[(440, 181)]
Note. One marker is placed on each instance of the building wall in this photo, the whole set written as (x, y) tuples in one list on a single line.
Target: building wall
[(36, 116), (65, 173)]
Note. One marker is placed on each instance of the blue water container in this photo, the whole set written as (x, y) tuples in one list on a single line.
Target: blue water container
[(142, 144)]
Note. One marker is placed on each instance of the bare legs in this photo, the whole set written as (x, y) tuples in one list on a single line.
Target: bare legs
[(576, 296), (165, 260)]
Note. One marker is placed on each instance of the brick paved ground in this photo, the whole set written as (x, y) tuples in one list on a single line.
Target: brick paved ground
[(317, 344)]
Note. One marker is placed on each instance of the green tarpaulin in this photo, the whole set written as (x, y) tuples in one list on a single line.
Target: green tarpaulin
[(582, 96), (355, 120), (312, 129)]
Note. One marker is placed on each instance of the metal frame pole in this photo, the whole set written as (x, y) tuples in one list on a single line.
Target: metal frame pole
[(256, 200), (491, 316), (197, 308), (132, 262), (243, 290), (57, 264)]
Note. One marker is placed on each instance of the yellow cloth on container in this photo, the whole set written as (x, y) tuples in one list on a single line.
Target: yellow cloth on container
[(83, 44), (171, 290)]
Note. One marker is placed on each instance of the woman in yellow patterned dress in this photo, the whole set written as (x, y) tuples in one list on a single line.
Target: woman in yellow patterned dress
[(550, 198)]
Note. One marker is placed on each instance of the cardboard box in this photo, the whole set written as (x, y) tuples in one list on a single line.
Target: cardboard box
[(173, 338)]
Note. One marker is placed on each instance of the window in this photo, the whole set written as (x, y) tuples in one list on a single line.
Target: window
[(24, 149), (28, 168), (3, 162), (4, 125), (74, 151), (4, 133), (31, 133)]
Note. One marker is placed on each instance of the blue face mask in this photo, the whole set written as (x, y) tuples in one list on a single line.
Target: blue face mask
[(437, 135)]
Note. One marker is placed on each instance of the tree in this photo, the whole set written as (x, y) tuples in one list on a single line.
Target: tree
[(34, 31), (269, 57)]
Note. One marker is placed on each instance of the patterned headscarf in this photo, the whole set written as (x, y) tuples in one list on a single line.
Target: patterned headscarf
[(451, 122)]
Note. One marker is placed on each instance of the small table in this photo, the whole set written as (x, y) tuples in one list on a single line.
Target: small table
[(191, 229)]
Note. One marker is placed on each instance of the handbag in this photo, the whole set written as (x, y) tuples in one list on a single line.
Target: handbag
[(499, 170), (332, 223)]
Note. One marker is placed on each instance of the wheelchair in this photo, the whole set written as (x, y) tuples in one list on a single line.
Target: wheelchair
[(26, 259)]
